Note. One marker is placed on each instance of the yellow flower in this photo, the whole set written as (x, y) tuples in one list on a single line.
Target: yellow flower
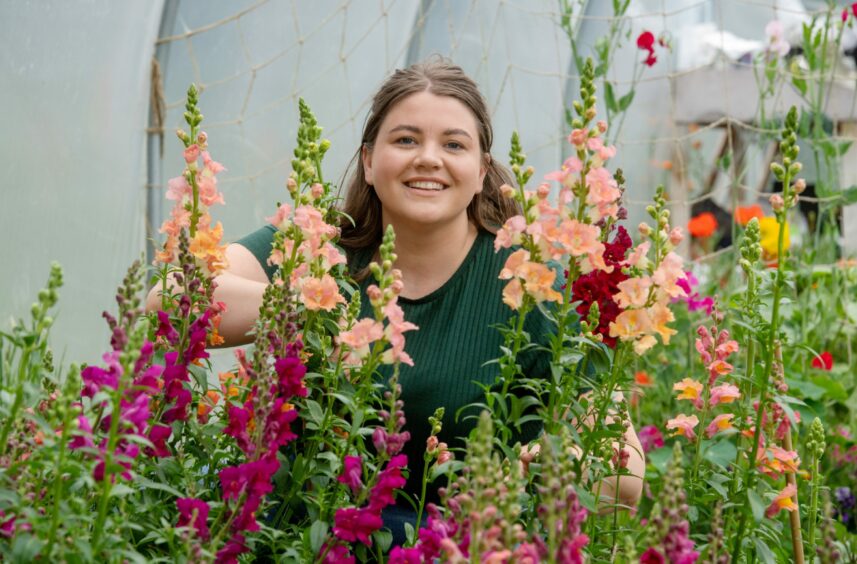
[(690, 389), (770, 232)]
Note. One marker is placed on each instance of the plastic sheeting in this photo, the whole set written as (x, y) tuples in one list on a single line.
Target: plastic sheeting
[(74, 99)]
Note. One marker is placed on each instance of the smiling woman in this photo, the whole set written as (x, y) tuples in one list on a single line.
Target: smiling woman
[(425, 168)]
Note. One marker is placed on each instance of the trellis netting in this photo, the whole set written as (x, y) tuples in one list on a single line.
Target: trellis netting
[(92, 92)]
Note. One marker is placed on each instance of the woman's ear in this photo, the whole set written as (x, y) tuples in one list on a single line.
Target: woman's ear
[(366, 158), (483, 169)]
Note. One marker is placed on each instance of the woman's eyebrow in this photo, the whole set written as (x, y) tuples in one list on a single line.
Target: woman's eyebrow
[(415, 129)]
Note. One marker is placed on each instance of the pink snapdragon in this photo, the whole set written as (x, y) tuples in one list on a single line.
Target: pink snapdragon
[(193, 513), (783, 501), (683, 425), (359, 337)]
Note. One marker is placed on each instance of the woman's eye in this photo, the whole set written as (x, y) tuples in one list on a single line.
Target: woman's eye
[(406, 141), (454, 145)]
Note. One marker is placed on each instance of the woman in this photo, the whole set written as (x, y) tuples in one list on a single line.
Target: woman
[(425, 167)]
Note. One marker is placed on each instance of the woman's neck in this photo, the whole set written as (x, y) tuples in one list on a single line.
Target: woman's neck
[(428, 258)]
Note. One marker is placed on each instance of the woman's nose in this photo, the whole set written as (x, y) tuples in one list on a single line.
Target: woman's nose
[(427, 157)]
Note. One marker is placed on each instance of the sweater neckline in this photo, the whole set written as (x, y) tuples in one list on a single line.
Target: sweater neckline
[(481, 238)]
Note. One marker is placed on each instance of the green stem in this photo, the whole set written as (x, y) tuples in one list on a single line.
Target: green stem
[(19, 399), (769, 360), (59, 478), (107, 480)]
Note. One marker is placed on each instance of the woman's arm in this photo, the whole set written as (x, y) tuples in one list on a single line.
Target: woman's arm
[(630, 486), (241, 287)]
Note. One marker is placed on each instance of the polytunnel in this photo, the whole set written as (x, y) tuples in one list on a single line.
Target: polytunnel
[(624, 332)]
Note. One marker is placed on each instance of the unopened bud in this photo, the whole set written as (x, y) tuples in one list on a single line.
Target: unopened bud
[(602, 126), (374, 294), (202, 138), (644, 229), (777, 203), (543, 191), (431, 444), (325, 145), (676, 235), (799, 186), (183, 137), (507, 191), (317, 191)]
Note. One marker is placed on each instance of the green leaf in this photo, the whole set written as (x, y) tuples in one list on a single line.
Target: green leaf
[(763, 552), (147, 483), (587, 500), (120, 490), (315, 412), (317, 535), (849, 195), (721, 453), (716, 481), (384, 539), (610, 98), (410, 533), (625, 101), (25, 548), (756, 505), (660, 458), (833, 388), (800, 84), (806, 388)]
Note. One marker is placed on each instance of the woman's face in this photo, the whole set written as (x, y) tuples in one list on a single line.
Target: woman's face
[(426, 163)]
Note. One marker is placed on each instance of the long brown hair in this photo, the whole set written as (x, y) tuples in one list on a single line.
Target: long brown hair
[(489, 208)]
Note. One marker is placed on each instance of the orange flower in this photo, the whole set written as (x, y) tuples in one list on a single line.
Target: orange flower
[(642, 378), (683, 425), (703, 225), (206, 247), (690, 389), (321, 293), (206, 404), (782, 501), (743, 214)]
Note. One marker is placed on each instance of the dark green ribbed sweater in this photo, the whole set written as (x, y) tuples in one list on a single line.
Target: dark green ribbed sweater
[(456, 337)]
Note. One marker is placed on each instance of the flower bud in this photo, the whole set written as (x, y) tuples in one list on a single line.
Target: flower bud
[(325, 145), (777, 203), (778, 170), (374, 294), (799, 186), (676, 235), (431, 444), (602, 125), (795, 169), (317, 191), (644, 229), (507, 191), (202, 138), (543, 191)]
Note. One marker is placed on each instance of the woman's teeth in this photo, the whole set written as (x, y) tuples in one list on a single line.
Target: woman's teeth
[(426, 185)]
